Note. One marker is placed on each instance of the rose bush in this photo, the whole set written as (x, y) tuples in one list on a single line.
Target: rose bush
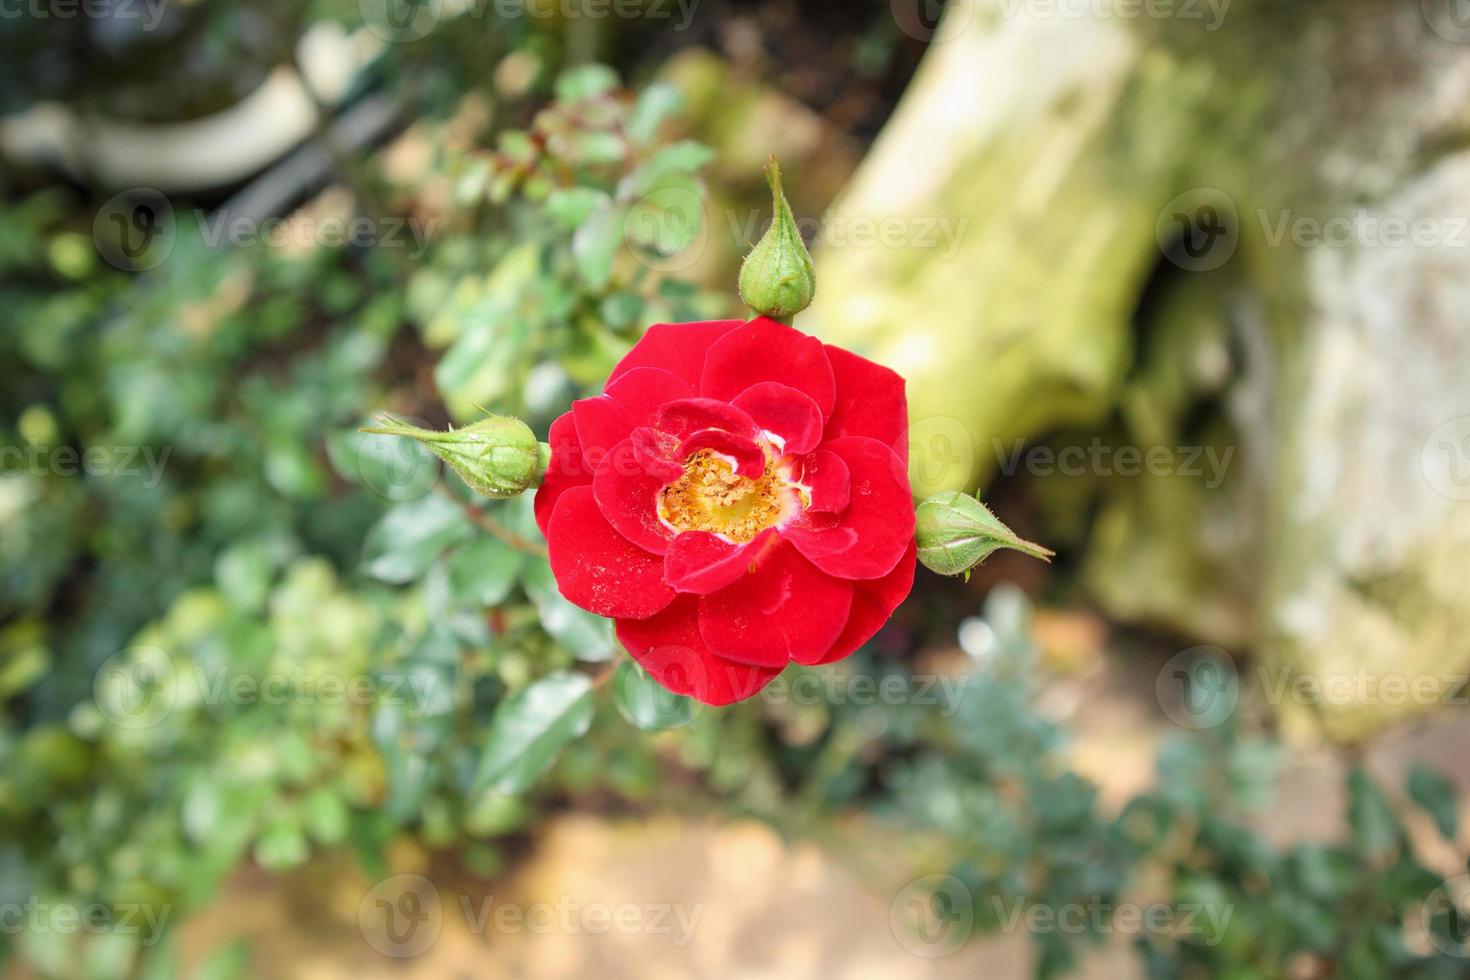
[(736, 499)]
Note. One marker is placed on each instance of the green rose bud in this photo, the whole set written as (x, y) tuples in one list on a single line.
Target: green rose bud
[(956, 532), (778, 278), (498, 456)]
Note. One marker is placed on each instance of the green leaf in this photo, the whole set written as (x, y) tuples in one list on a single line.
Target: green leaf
[(230, 962), (655, 104), (1376, 830), (595, 245), (326, 816), (482, 572), (571, 206), (282, 847), (402, 545), (585, 82), (646, 704), (671, 166), (1437, 797), (530, 728)]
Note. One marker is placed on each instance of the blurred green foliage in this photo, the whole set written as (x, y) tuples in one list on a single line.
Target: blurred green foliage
[(266, 635)]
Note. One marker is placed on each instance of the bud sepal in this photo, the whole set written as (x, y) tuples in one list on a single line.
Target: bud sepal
[(956, 532), (778, 278), (498, 456)]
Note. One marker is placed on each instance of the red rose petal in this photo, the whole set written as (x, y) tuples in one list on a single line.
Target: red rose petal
[(870, 402), (689, 415), (626, 492), (786, 608), (657, 453), (642, 390), (670, 648), (828, 480), (764, 350), (700, 562), (873, 602), (868, 538), (750, 459), (599, 569), (675, 347), (601, 424), (567, 468), (785, 412)]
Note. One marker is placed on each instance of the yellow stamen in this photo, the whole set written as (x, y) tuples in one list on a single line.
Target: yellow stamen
[(712, 497)]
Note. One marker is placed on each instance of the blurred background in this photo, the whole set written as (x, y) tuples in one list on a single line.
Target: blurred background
[(1179, 286)]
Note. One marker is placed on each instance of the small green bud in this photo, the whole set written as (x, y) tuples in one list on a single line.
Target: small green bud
[(498, 456), (956, 532), (778, 278)]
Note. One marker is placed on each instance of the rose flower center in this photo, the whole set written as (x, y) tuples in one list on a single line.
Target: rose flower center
[(712, 497)]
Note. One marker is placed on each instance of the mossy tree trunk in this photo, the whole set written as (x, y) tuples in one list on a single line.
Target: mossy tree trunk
[(1141, 253)]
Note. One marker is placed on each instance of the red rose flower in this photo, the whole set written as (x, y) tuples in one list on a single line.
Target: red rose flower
[(736, 499)]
